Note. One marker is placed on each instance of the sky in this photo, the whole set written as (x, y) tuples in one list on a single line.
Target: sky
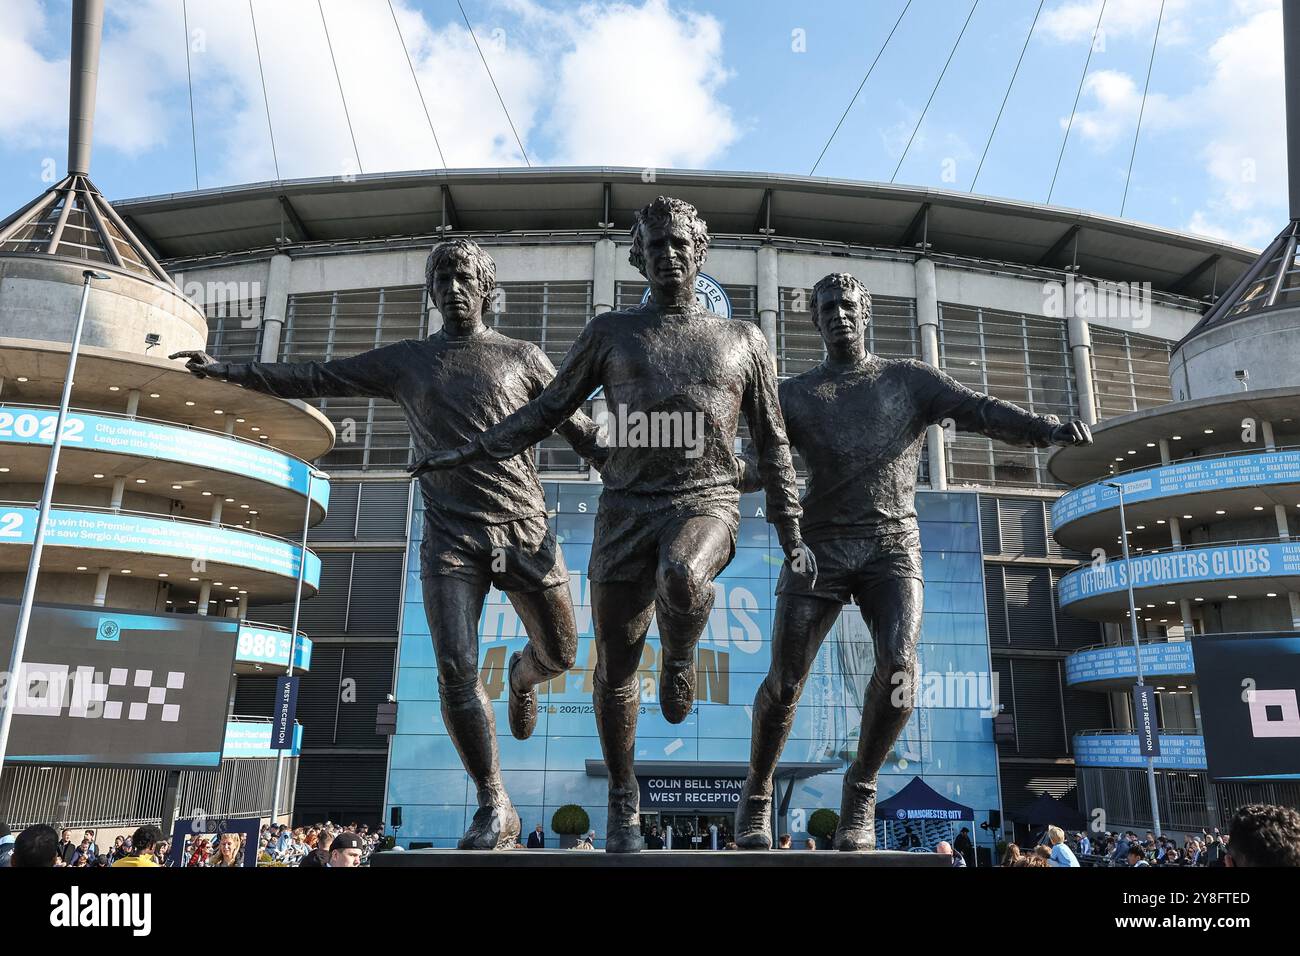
[(751, 85)]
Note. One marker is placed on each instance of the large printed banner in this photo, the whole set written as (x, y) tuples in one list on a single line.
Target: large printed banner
[(265, 645), (1224, 562), (1182, 478), (252, 738), (1177, 751), (144, 439), (104, 686), (1249, 689), (1110, 663), (140, 534)]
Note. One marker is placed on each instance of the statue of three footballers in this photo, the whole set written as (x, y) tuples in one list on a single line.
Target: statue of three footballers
[(477, 401)]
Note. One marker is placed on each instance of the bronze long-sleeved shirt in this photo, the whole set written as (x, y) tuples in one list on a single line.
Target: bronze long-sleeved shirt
[(688, 370), (450, 390)]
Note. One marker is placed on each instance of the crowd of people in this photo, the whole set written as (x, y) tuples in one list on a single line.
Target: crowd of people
[(324, 844), (1259, 835)]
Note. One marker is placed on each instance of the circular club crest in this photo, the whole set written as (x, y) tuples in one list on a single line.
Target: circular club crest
[(708, 293)]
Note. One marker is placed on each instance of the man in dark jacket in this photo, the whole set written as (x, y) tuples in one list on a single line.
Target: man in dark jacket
[(537, 839)]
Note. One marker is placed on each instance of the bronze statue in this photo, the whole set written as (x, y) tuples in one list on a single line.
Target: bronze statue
[(676, 379), (859, 421), (484, 524)]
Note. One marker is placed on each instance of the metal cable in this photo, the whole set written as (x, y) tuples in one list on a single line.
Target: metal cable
[(338, 79), (494, 83), (1142, 109), (1083, 76), (265, 100), (867, 76), (921, 118), (416, 79), (1007, 95), (189, 80)]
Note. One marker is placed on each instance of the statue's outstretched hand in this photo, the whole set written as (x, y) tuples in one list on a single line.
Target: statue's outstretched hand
[(199, 363), (1072, 433), (443, 459)]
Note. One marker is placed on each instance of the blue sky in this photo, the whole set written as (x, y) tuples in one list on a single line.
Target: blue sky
[(731, 84)]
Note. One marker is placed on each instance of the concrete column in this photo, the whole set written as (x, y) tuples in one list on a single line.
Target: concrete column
[(927, 319), (1165, 456), (275, 306), (101, 587), (603, 266), (1283, 525), (132, 402), (1189, 627), (217, 504), (242, 609), (230, 424), (769, 295), (119, 488), (1266, 430), (1176, 532), (1295, 609), (205, 595), (1081, 348)]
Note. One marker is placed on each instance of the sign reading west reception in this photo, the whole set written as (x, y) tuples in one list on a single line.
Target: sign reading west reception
[(119, 688), (1144, 706), (1249, 688), (702, 794)]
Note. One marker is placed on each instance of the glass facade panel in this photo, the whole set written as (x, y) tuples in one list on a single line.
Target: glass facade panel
[(948, 741)]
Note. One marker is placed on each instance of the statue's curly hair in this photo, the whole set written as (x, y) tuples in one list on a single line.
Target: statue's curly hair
[(485, 269), (845, 282), (663, 210)]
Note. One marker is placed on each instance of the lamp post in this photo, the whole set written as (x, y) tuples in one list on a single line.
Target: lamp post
[(9, 697), (312, 474), (1137, 652)]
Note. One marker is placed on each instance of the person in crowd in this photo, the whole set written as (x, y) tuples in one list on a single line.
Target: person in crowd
[(1264, 835), (36, 846), (1083, 843), (587, 841), (7, 839), (945, 848), (345, 850), (85, 854), (1061, 855), (67, 847), (1012, 856), (94, 847), (910, 840), (965, 846), (1135, 856), (1034, 859), (655, 840), (784, 842), (320, 855), (144, 842), (229, 851), (1043, 853), (1171, 857), (810, 844), (537, 839)]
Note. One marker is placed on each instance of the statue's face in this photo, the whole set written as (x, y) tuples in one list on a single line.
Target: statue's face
[(456, 289), (669, 252), (840, 317)]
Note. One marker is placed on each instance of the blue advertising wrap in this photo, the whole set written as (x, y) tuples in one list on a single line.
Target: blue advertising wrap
[(1177, 751), (1250, 470), (1144, 707), (1112, 663), (143, 439), (251, 738), (1188, 566), (141, 534), (286, 708), (266, 645)]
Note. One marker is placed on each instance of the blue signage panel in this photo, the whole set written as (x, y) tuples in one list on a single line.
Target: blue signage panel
[(144, 439), (266, 645), (140, 534), (286, 708), (1219, 563), (704, 794), (251, 738), (1144, 711), (1177, 751), (1182, 478), (1112, 663)]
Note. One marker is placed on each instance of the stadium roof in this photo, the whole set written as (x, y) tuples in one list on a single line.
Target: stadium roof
[(423, 203)]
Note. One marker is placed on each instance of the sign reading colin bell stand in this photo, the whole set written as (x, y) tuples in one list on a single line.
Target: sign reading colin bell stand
[(109, 687), (705, 794), (1249, 690)]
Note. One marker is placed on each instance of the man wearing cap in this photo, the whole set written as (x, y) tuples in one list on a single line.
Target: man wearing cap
[(345, 850)]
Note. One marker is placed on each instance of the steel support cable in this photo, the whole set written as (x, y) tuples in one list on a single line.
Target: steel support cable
[(1006, 96), (339, 80), (416, 80), (493, 81), (1092, 45), (946, 64), (189, 81), (865, 77), (1143, 108), (265, 99)]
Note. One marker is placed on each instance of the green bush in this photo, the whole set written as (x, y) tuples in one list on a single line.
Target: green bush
[(570, 819), (822, 823)]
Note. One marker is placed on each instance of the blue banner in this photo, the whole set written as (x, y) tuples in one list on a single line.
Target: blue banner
[(1188, 566), (251, 738), (286, 707), (1110, 663), (140, 534), (1250, 470), (1177, 751), (1144, 709), (266, 645), (144, 439)]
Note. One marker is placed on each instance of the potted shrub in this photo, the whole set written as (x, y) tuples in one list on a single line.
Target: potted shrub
[(821, 825), (570, 822)]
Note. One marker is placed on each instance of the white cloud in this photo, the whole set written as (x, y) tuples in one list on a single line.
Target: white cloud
[(34, 95), (1119, 101), (1076, 20)]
